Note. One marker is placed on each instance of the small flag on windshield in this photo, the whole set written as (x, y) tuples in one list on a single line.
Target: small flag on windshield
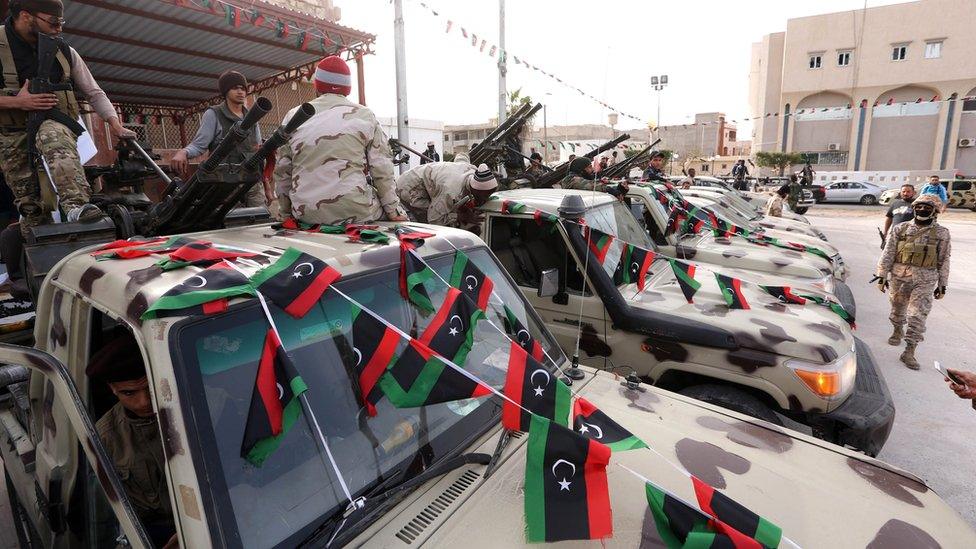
[(295, 282)]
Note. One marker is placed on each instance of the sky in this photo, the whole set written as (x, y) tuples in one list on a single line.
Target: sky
[(608, 48)]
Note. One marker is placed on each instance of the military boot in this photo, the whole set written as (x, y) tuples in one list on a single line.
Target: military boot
[(908, 356), (896, 336)]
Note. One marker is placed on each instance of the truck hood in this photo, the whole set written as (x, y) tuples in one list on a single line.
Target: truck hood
[(811, 489), (737, 253), (810, 332), (789, 225)]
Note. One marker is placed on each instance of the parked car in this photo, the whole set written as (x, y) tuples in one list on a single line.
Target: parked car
[(962, 193), (807, 198), (853, 191)]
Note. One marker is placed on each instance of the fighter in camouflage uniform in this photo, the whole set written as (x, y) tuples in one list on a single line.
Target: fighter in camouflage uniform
[(336, 168), (581, 177), (446, 193), (915, 263)]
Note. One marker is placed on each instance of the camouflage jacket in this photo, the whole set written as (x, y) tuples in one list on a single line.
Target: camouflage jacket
[(573, 181), (774, 206), (320, 176), (430, 192), (908, 229)]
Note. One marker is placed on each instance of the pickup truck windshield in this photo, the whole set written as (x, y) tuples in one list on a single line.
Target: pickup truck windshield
[(279, 503), (615, 219)]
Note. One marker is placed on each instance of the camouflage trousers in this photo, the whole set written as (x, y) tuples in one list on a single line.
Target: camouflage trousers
[(911, 300), (59, 146)]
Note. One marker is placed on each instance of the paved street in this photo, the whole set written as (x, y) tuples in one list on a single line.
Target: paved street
[(933, 436)]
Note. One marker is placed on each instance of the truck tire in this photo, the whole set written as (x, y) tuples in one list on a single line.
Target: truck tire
[(801, 210), (733, 399), (27, 538)]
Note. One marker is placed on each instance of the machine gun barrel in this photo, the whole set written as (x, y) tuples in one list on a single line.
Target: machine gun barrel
[(518, 152), (237, 134), (403, 145), (512, 126), (560, 171), (134, 145), (501, 127), (279, 137), (624, 167)]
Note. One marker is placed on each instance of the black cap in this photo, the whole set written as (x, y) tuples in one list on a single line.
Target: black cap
[(578, 165), (536, 156), (657, 154), (118, 360)]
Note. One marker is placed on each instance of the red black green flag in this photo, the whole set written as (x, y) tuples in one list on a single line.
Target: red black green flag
[(414, 272), (418, 377), (566, 495), (516, 330), (257, 18), (295, 282), (599, 243), (274, 402), (215, 283), (732, 291), (675, 221), (119, 249), (633, 266), (732, 513), (837, 308), (592, 423), (199, 253), (467, 277), (451, 331), (784, 294), (681, 526), (543, 217), (233, 15), (685, 274), (512, 207), (531, 386), (374, 345)]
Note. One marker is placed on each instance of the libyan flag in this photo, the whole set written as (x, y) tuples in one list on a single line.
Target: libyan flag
[(131, 249), (451, 331), (784, 294), (732, 291), (591, 423), (418, 377), (274, 402), (599, 243), (467, 277), (520, 335), (633, 266), (413, 273), (685, 274), (200, 252), (735, 515), (534, 391), (373, 346), (566, 495), (206, 291), (295, 282), (837, 308)]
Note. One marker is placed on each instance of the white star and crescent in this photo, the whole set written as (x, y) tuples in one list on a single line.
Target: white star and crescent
[(299, 268), (539, 389), (518, 337), (563, 484), (359, 356), (585, 428), (203, 282), (472, 285), (454, 331)]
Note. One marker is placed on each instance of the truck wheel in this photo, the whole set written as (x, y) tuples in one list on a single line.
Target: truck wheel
[(801, 211), (27, 538), (869, 200), (734, 399)]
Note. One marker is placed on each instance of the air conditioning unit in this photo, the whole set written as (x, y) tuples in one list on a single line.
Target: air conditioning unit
[(967, 142), (833, 146)]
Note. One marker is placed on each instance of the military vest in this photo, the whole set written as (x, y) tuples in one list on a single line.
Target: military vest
[(227, 119), (910, 251), (17, 118)]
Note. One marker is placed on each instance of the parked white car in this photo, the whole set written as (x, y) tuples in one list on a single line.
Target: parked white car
[(852, 191)]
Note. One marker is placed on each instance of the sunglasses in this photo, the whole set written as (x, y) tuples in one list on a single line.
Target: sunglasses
[(59, 22)]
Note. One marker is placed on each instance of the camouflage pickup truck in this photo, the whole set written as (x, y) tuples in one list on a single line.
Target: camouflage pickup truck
[(745, 213), (444, 475), (765, 264), (771, 361)]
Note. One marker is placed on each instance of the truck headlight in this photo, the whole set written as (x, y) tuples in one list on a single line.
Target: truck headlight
[(830, 381)]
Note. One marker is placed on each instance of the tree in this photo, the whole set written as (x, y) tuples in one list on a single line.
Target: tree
[(778, 160), (516, 101)]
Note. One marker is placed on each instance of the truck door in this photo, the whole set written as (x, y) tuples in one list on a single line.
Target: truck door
[(526, 249)]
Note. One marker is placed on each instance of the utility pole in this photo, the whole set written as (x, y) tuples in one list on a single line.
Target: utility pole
[(403, 123), (658, 84), (502, 69)]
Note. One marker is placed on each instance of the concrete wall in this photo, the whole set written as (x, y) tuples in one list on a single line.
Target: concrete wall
[(966, 157)]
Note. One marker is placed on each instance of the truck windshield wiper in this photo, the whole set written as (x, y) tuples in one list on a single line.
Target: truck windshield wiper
[(366, 505)]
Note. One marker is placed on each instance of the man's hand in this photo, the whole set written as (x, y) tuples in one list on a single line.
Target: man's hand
[(470, 216), (120, 131), (35, 101), (940, 292), (179, 163), (399, 218), (882, 283), (963, 391)]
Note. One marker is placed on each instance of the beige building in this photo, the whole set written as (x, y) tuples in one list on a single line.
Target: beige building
[(874, 89), (709, 136)]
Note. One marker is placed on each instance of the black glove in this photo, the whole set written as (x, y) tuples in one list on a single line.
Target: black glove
[(882, 282), (940, 292)]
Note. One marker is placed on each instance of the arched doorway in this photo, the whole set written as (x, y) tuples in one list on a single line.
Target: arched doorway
[(822, 128), (903, 129)]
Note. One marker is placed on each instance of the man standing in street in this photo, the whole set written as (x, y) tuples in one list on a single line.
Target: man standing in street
[(915, 264), (430, 153), (900, 209), (806, 175), (217, 122), (739, 174), (336, 167), (935, 187), (774, 206), (655, 168), (447, 193), (793, 197), (56, 140)]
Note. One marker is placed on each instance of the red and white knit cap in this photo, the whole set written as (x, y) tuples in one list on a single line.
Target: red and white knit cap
[(332, 76)]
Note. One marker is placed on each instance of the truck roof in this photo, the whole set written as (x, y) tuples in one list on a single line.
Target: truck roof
[(547, 200), (128, 286)]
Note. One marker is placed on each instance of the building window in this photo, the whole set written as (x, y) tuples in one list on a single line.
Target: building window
[(843, 58), (899, 52), (969, 105), (933, 50), (815, 61)]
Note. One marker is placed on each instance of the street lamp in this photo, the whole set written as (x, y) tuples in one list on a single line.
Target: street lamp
[(658, 83), (545, 132)]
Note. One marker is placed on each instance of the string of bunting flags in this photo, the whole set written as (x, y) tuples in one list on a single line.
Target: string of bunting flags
[(414, 372)]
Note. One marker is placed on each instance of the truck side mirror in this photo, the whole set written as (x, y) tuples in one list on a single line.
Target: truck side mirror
[(549, 282)]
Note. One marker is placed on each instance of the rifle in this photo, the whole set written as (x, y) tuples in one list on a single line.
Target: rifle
[(505, 135), (882, 236), (396, 145), (560, 171), (622, 168)]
